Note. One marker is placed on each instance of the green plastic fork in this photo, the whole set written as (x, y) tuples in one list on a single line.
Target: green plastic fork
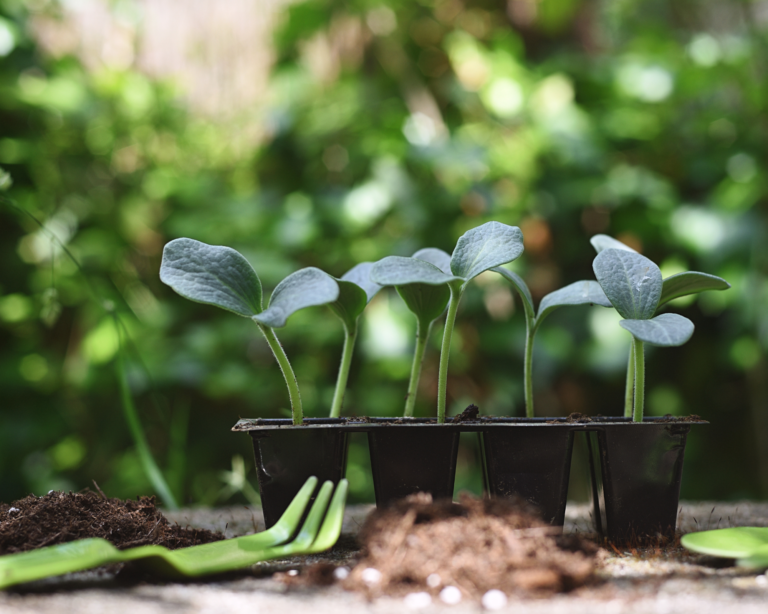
[(316, 534)]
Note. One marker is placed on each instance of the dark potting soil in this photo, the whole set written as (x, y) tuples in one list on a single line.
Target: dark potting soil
[(56, 518), (475, 545), (468, 415)]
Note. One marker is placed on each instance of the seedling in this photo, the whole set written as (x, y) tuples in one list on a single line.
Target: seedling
[(478, 250), (747, 544), (427, 302), (635, 288), (355, 291), (577, 293), (221, 276)]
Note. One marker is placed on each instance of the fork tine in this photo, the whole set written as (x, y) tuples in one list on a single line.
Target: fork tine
[(311, 525), (334, 518), (286, 526)]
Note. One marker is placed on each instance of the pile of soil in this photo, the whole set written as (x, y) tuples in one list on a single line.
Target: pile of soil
[(476, 545), (56, 518)]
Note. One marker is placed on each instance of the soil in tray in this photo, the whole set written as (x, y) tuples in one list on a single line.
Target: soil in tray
[(476, 545), (34, 522)]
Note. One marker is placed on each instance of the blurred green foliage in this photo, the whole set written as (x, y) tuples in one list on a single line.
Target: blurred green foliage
[(388, 126)]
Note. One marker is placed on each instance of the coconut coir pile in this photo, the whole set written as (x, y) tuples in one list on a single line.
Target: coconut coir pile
[(476, 545), (34, 522)]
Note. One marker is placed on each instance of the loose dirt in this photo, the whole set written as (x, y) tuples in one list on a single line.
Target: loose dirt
[(56, 518), (477, 545)]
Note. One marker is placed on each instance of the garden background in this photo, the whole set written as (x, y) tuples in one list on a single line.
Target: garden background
[(326, 133)]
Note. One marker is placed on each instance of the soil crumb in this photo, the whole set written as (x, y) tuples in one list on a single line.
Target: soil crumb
[(56, 518), (475, 546), (468, 415)]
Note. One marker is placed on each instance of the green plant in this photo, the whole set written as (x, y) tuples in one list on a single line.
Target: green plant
[(427, 302), (577, 293), (747, 544), (478, 250), (635, 288), (221, 276), (355, 291)]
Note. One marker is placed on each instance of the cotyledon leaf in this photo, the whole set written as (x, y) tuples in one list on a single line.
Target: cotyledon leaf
[(666, 330), (435, 256), (578, 293), (360, 274), (427, 302), (690, 282), (211, 274), (522, 289), (304, 288), (601, 242), (485, 247), (397, 271), (631, 282), (350, 303), (356, 289), (732, 543)]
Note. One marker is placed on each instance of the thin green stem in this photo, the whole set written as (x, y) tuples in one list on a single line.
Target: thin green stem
[(341, 380), (445, 351), (148, 464), (528, 370), (290, 378), (418, 359), (630, 380), (639, 380)]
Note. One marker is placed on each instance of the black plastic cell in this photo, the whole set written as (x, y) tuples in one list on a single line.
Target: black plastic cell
[(406, 459), (636, 472), (286, 458), (532, 462)]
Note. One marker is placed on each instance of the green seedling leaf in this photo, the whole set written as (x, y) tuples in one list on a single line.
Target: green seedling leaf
[(304, 288), (690, 282), (360, 274), (485, 247), (731, 543), (522, 289), (350, 303), (577, 293), (425, 301), (602, 242), (630, 281), (398, 271), (666, 330), (435, 256), (213, 275)]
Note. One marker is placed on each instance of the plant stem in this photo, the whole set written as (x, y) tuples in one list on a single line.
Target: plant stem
[(445, 350), (341, 380), (630, 380), (639, 358), (148, 464), (528, 370), (290, 378), (418, 359)]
